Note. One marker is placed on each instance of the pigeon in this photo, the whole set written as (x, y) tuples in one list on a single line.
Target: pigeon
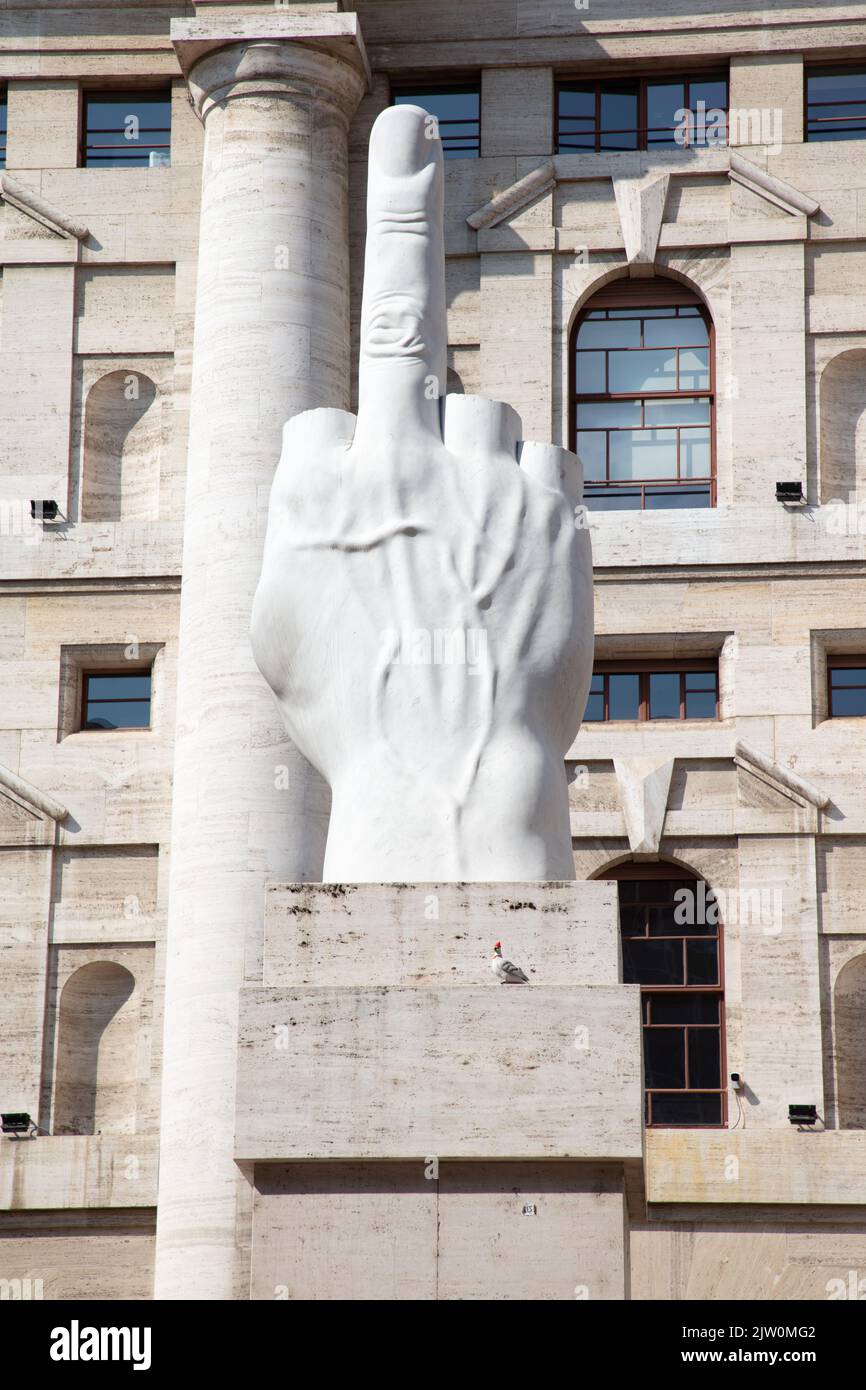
[(506, 972)]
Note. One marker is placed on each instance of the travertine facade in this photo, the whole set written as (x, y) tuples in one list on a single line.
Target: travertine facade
[(133, 920)]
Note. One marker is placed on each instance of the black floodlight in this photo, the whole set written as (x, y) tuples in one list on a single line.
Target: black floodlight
[(16, 1122), (802, 1114), (45, 510), (790, 492)]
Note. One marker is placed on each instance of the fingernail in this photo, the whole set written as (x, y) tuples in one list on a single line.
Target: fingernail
[(403, 141)]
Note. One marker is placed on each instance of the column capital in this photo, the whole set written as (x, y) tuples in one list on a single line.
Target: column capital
[(234, 55)]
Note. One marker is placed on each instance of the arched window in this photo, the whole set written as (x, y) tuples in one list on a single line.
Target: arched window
[(642, 397), (672, 947)]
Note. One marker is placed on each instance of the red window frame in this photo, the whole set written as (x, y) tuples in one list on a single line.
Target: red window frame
[(670, 873), (654, 293), (643, 670), (843, 663), (642, 131)]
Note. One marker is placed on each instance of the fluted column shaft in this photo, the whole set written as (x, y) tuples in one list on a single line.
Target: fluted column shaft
[(271, 339)]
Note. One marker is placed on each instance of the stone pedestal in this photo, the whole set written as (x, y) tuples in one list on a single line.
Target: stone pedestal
[(275, 93), (413, 1128)]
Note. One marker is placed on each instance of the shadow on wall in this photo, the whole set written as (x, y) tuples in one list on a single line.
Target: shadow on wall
[(850, 1001), (843, 427), (96, 1052), (121, 449)]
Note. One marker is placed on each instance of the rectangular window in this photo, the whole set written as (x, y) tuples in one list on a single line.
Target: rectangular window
[(126, 130), (653, 690), (642, 113), (458, 114), (4, 118), (116, 700), (836, 103), (846, 681)]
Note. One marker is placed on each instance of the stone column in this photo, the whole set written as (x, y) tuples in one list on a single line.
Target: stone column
[(275, 94)]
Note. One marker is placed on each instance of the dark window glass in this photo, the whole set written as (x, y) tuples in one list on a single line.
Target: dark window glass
[(677, 966), (664, 689), (4, 112), (644, 113), (847, 691), (703, 962), (652, 962), (836, 104), (704, 1057), (458, 114), (640, 695), (129, 130), (117, 701), (689, 1108), (664, 1057), (624, 696)]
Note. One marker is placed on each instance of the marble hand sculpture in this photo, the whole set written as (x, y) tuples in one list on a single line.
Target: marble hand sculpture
[(424, 612)]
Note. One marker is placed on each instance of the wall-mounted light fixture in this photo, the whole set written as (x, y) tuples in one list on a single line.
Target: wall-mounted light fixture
[(45, 510), (803, 1114), (790, 493)]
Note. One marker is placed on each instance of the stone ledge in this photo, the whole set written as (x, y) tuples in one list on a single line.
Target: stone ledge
[(762, 1166), (428, 934), (495, 1072), (78, 1171)]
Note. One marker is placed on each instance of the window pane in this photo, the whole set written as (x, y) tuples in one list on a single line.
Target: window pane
[(619, 102), (613, 499), (594, 709), (678, 497), (646, 962), (664, 695), (609, 333), (694, 1008), (695, 458), (705, 1057), (642, 371), (590, 373), (458, 114), (643, 454), (663, 923), (663, 101), (700, 680), (691, 1108), (116, 714), (118, 687), (591, 452), (689, 411), (675, 333), (849, 702), (624, 695), (632, 921), (608, 413), (848, 675), (127, 129), (694, 370), (714, 95), (703, 962), (700, 704), (578, 100), (836, 84), (664, 1057)]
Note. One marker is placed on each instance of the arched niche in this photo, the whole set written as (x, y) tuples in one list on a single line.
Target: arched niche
[(850, 1032), (120, 461), (843, 426), (97, 1044)]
